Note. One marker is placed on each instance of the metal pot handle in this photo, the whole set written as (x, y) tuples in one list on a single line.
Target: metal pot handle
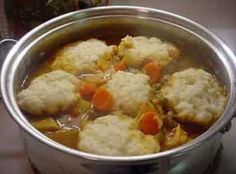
[(5, 46), (228, 126)]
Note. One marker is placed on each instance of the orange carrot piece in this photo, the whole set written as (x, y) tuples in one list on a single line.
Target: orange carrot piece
[(153, 70), (87, 90), (150, 123), (102, 99), (120, 66)]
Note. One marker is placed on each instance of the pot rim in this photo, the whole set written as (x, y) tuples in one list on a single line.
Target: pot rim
[(27, 127)]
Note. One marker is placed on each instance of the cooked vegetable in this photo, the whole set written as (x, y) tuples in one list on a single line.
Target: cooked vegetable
[(87, 90), (157, 86), (102, 99), (80, 108), (67, 137), (153, 70), (145, 107), (97, 79), (84, 106), (175, 138), (150, 123), (148, 106), (48, 124), (120, 66), (103, 64)]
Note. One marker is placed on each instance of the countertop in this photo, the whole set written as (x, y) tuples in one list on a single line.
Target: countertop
[(218, 16)]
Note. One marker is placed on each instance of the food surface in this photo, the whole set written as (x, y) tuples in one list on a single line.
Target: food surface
[(136, 51), (81, 56), (133, 98), (116, 135), (201, 101), (126, 87), (49, 93)]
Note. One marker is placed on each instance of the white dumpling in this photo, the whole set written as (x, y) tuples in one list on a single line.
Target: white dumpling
[(49, 93), (81, 56), (115, 135), (195, 96), (136, 51), (129, 91)]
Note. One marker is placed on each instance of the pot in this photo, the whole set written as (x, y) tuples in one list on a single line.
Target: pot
[(204, 47)]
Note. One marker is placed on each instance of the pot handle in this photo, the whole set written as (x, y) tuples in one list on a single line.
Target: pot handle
[(227, 127), (229, 124), (5, 46)]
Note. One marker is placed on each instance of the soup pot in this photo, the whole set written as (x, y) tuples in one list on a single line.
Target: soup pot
[(112, 23)]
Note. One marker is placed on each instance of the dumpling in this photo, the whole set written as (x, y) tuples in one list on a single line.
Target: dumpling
[(49, 93), (136, 51), (115, 135), (195, 96), (81, 56), (129, 91)]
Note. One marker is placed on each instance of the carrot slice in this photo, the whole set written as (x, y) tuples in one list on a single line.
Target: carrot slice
[(120, 66), (87, 90), (150, 123), (153, 70), (102, 99)]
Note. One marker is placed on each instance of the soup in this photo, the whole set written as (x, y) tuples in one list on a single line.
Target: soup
[(139, 96)]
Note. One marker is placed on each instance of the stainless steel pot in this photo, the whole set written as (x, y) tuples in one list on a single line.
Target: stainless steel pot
[(203, 46)]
